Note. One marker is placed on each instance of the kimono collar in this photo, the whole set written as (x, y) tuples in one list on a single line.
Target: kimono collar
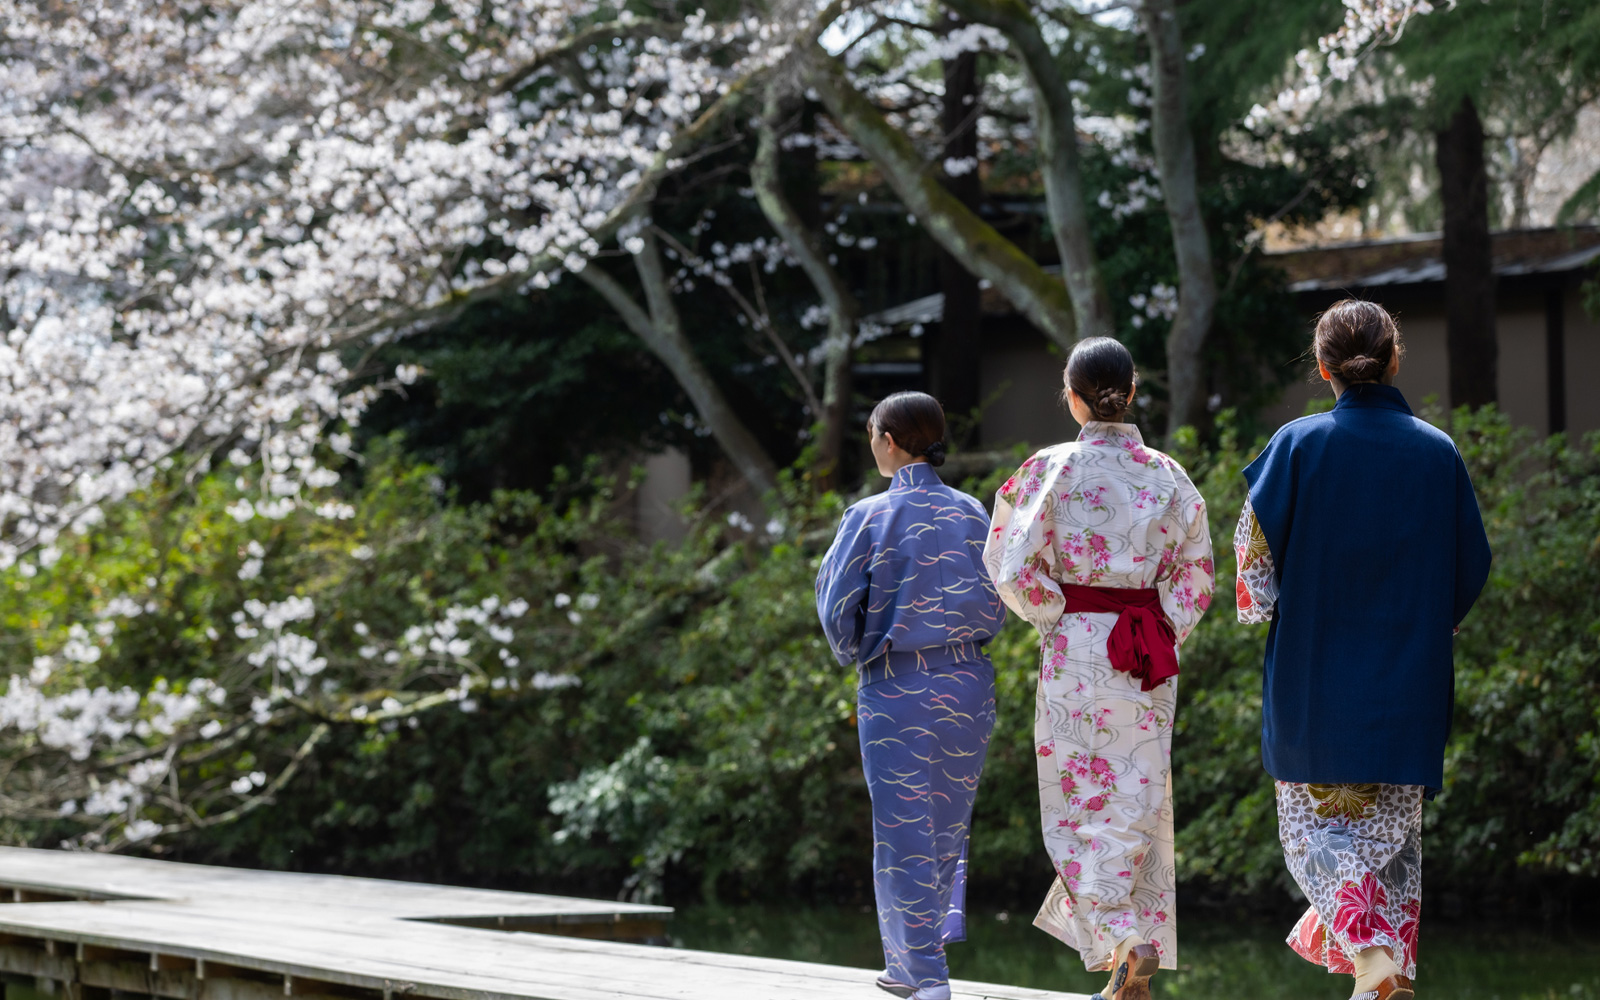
[(1372, 395), (914, 475), (1111, 433)]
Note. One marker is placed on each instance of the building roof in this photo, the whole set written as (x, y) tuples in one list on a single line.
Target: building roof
[(1398, 260), (1414, 260)]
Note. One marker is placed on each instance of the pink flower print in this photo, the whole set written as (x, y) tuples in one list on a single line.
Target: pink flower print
[(1008, 490), (1036, 595), (1144, 499), (1101, 769), (1169, 558), (1095, 497), (1060, 643), (1068, 784), (1408, 930), (1124, 874), (1359, 919), (1100, 550), (1070, 872), (1203, 601), (1137, 453), (1095, 804), (1204, 565), (1046, 749), (1160, 916)]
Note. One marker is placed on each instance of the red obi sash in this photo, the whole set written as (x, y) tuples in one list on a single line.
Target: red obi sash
[(1142, 642)]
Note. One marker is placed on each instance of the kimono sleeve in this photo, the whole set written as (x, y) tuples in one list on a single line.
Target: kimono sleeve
[(842, 584), (1472, 544), (1188, 574), (1020, 554), (1256, 592)]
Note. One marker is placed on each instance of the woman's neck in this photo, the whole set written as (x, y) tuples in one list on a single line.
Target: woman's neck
[(1339, 387)]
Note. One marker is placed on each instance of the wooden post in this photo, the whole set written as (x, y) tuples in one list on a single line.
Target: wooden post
[(1555, 356)]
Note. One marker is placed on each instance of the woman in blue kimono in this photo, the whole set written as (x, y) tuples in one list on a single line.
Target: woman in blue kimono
[(904, 597), (1362, 544)]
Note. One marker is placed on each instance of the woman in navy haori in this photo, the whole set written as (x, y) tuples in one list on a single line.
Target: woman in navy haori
[(1362, 544), (903, 596)]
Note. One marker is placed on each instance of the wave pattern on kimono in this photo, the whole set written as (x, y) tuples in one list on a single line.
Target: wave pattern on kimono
[(903, 594), (903, 586), (1356, 852), (925, 735), (1103, 511)]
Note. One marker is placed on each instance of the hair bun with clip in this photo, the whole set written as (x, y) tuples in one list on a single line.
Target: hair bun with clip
[(934, 453)]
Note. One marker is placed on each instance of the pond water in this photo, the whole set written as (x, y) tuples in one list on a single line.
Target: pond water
[(1248, 962)]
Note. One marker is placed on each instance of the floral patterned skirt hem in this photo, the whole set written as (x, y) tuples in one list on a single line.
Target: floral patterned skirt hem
[(1093, 931), (1356, 853)]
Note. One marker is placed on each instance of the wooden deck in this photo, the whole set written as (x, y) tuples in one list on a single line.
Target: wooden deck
[(89, 926)]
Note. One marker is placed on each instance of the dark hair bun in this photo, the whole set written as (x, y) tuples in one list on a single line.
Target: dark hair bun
[(935, 454), (1357, 341), (1361, 368), (1113, 402), (1100, 370)]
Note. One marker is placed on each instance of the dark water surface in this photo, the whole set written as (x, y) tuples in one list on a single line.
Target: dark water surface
[(1217, 962)]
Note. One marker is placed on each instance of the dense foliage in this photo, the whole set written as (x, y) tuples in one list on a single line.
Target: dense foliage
[(708, 745)]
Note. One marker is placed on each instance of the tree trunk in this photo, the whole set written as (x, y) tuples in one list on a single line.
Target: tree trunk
[(662, 331), (1191, 244), (843, 310), (1058, 158), (981, 249), (951, 353), (1468, 260)]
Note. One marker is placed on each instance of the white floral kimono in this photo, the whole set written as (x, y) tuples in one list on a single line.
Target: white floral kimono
[(1104, 512)]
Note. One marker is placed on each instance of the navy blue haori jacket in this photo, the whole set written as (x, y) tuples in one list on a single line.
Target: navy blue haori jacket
[(1380, 552)]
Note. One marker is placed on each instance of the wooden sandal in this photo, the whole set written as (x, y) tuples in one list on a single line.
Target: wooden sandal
[(1393, 988), (1132, 981)]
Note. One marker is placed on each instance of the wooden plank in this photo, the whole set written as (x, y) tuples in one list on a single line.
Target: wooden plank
[(231, 934), (110, 877)]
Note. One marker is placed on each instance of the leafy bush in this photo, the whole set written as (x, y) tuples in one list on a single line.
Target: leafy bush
[(668, 720)]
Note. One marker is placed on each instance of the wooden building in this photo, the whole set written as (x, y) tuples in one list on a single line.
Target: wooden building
[(1549, 345)]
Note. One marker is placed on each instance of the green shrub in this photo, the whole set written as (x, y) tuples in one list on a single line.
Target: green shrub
[(704, 738)]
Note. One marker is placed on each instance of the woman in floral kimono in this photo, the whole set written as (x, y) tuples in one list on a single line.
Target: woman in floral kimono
[(1102, 544), (1361, 542), (903, 596)]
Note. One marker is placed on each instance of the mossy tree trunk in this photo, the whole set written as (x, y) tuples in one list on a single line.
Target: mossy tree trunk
[(982, 250), (1059, 164), (659, 325), (843, 309), (1175, 162)]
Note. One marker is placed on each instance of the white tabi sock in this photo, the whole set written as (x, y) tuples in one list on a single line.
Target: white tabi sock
[(1373, 966)]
